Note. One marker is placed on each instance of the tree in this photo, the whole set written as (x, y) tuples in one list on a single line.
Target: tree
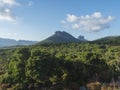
[(17, 65)]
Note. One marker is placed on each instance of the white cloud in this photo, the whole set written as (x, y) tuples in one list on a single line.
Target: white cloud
[(7, 15), (94, 22), (71, 18), (8, 2), (97, 15), (5, 10)]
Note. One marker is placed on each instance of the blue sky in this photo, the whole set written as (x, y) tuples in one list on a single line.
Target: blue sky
[(38, 19)]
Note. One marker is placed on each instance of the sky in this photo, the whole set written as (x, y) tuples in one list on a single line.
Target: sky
[(38, 19)]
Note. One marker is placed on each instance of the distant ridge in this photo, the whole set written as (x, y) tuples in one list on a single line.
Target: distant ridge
[(111, 40), (11, 42), (61, 37)]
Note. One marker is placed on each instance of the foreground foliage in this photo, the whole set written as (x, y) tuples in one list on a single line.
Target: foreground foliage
[(69, 64)]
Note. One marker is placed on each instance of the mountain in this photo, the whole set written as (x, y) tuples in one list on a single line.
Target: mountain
[(64, 37), (81, 38), (61, 37), (11, 42), (111, 40), (26, 42)]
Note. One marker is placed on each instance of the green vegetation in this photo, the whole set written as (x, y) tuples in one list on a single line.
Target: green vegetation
[(111, 40), (59, 65)]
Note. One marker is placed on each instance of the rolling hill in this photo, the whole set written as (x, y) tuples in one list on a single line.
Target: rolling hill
[(111, 40)]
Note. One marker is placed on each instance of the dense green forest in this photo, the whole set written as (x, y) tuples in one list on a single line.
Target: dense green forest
[(61, 65), (111, 40)]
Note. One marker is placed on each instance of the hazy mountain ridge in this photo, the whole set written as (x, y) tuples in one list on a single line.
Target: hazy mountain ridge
[(11, 42), (60, 37)]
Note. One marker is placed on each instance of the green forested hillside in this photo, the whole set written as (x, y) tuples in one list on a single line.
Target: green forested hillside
[(111, 40), (38, 66)]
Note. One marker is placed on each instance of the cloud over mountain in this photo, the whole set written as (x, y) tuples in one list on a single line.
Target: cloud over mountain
[(92, 23)]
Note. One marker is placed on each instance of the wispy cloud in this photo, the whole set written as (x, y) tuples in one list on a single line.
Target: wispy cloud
[(4, 3), (30, 3), (6, 13), (10, 34), (93, 23)]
